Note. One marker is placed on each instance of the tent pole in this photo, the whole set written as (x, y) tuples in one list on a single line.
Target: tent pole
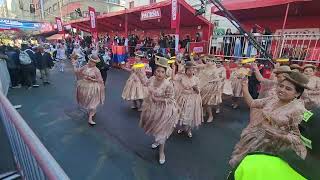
[(285, 17), (126, 23), (283, 27), (177, 29)]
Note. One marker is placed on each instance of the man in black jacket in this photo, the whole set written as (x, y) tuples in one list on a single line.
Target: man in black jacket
[(28, 66), (44, 63), (13, 66)]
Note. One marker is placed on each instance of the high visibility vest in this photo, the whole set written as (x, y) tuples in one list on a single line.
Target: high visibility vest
[(265, 167)]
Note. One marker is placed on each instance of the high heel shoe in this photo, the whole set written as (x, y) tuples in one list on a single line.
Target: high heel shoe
[(155, 145), (163, 160), (190, 134), (210, 119), (92, 123), (180, 131)]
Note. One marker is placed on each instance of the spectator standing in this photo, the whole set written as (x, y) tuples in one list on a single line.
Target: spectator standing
[(44, 63), (4, 74), (227, 42), (61, 57), (132, 44), (250, 49), (266, 40), (172, 45), (186, 42), (77, 50), (198, 38), (239, 41), (13, 67), (162, 44), (28, 66), (104, 64)]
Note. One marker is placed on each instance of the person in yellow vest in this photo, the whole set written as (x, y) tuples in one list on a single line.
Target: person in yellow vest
[(286, 165)]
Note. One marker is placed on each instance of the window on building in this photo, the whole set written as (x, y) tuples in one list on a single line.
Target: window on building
[(50, 9), (114, 1), (55, 7), (152, 1), (85, 14), (216, 23), (131, 4), (73, 15)]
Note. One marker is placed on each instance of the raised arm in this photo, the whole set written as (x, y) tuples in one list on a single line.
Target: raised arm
[(246, 95), (257, 73)]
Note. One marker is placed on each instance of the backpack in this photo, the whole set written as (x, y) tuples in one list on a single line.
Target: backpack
[(24, 58)]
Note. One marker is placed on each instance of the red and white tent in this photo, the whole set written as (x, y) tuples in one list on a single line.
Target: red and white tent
[(273, 13), (129, 21)]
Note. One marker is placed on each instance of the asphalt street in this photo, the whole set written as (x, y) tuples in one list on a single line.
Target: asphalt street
[(117, 148)]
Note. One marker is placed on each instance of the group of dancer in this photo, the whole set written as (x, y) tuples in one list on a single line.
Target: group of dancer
[(180, 94)]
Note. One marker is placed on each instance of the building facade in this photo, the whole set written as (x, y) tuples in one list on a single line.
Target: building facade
[(20, 9), (66, 8), (16, 9)]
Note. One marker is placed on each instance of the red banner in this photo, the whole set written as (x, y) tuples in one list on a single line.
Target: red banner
[(150, 14), (93, 25), (59, 25), (174, 13)]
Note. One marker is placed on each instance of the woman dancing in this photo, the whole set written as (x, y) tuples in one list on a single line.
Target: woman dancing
[(90, 87), (275, 127), (189, 100), (159, 110)]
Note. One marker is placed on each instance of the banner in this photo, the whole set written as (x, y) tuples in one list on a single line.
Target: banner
[(198, 47), (59, 25), (17, 24), (150, 14), (93, 25), (174, 13)]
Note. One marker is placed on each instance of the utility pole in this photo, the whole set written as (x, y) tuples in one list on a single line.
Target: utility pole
[(60, 9), (42, 9), (6, 9)]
